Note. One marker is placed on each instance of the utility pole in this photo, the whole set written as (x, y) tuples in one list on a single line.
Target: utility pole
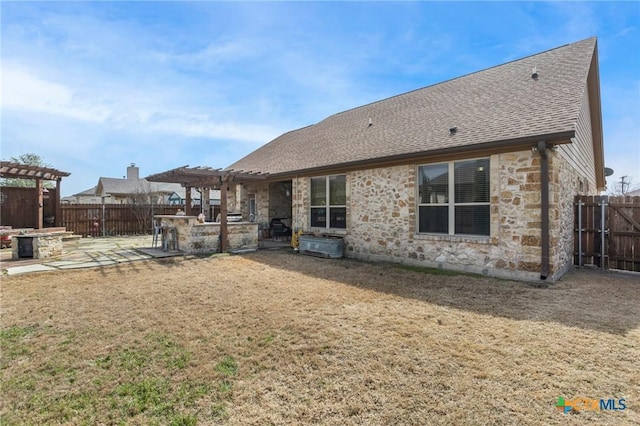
[(623, 185)]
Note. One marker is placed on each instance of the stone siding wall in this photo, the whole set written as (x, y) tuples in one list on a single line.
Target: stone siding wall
[(381, 212), (234, 194), (382, 218), (565, 183), (515, 197), (300, 204), (261, 192)]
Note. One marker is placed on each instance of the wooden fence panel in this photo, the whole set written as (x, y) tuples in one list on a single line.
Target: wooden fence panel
[(607, 232), (624, 233), (114, 219), (588, 241), (18, 208)]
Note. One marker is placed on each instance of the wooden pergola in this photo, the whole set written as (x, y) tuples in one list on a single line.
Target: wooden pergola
[(208, 178), (11, 170)]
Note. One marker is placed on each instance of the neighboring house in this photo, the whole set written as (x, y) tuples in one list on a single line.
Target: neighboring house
[(124, 191), (476, 174), (85, 197), (179, 198)]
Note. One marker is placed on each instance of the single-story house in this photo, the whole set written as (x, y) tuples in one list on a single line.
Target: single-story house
[(87, 196), (475, 174), (132, 187)]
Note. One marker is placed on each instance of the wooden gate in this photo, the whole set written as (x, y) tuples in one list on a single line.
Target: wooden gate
[(607, 232)]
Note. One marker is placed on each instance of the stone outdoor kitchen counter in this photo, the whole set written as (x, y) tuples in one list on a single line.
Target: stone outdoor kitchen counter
[(196, 237)]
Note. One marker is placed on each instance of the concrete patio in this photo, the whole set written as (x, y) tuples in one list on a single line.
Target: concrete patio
[(98, 252), (87, 253)]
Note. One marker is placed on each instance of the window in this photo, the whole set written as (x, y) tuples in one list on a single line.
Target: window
[(453, 198), (329, 202)]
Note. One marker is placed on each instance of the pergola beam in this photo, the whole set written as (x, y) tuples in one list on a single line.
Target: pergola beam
[(200, 176), (9, 169)]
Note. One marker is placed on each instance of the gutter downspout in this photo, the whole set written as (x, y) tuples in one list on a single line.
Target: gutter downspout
[(544, 209)]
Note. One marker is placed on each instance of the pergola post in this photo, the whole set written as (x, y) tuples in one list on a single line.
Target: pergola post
[(57, 211), (187, 197), (204, 204), (223, 215), (40, 204)]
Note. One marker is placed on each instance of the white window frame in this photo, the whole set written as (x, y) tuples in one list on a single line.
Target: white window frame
[(451, 204), (327, 206)]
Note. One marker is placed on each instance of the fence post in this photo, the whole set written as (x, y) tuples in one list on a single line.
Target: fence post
[(603, 207), (103, 220), (580, 232)]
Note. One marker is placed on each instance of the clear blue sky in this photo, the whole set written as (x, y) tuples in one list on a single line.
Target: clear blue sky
[(92, 87)]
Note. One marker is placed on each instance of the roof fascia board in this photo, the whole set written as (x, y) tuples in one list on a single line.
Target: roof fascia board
[(595, 110)]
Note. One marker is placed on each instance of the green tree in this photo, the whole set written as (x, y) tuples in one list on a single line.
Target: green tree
[(28, 159)]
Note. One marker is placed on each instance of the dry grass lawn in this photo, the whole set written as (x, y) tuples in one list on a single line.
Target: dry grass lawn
[(279, 338)]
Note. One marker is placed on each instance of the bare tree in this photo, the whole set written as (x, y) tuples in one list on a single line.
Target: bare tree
[(142, 203), (624, 186)]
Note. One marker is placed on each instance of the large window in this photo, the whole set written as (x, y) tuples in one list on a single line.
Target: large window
[(453, 198), (329, 202)]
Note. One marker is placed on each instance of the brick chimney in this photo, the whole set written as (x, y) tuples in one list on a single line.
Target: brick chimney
[(133, 173)]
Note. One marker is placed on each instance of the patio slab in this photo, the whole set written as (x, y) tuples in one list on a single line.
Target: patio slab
[(82, 265), (98, 252), (83, 253), (16, 270)]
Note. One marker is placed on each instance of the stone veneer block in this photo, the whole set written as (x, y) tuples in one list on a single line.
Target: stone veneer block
[(44, 245)]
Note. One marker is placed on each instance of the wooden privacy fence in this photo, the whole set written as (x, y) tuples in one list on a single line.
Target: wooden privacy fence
[(115, 219), (607, 232), (18, 207)]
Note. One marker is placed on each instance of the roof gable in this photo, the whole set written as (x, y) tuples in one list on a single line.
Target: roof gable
[(115, 186), (91, 192), (500, 104)]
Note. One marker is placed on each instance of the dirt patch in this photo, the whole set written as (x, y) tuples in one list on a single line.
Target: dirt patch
[(279, 338)]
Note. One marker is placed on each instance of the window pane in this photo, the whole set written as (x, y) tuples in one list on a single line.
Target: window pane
[(472, 181), (472, 220), (337, 191), (338, 217), (319, 217), (434, 219), (434, 184), (319, 191)]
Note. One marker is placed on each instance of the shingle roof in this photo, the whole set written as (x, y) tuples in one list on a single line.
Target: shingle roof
[(122, 186), (502, 103), (87, 192), (115, 186)]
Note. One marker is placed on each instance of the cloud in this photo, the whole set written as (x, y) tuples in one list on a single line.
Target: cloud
[(210, 57), (28, 92), (203, 126)]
